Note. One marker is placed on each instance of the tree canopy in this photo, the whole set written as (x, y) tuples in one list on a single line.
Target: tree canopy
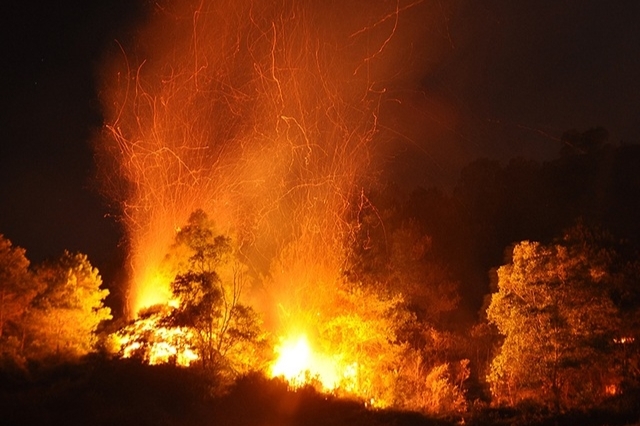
[(208, 289), (52, 310), (17, 290), (560, 322), (63, 319)]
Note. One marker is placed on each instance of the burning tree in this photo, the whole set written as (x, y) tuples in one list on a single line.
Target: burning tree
[(207, 293), (351, 347), (205, 320)]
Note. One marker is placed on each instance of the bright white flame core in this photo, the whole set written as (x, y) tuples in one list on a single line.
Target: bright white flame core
[(164, 344), (299, 364)]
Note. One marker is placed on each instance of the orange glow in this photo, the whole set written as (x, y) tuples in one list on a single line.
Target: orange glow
[(162, 350), (294, 360), (299, 364), (611, 389), (265, 115), (157, 344), (153, 290), (269, 117)]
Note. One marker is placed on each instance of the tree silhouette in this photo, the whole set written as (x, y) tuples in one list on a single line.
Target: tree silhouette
[(208, 290)]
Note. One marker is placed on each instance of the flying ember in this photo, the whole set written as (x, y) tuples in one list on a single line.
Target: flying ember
[(265, 116)]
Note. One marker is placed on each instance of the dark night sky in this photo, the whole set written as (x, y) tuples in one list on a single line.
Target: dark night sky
[(510, 79)]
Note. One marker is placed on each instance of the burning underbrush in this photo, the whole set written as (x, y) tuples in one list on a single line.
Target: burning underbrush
[(343, 338), (352, 361), (352, 350), (152, 339)]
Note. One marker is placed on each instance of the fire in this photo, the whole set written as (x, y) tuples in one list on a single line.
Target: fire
[(154, 290), (163, 349), (156, 343), (263, 114), (299, 364), (269, 116), (294, 360)]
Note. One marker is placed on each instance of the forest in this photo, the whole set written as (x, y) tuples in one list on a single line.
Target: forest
[(511, 298)]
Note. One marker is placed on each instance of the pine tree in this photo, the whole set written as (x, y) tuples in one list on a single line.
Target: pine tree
[(63, 319)]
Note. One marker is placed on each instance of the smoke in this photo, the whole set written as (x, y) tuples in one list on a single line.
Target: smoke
[(267, 115)]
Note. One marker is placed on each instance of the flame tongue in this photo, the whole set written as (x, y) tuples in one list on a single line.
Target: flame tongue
[(299, 364), (294, 360)]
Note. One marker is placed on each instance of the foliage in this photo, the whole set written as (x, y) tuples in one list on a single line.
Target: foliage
[(54, 311), (17, 290), (443, 391), (63, 318), (208, 290), (392, 254), (436, 389), (363, 329), (368, 334), (152, 339), (555, 311), (426, 284), (393, 261), (495, 204)]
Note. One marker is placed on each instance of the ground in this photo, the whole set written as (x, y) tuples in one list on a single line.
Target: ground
[(124, 392)]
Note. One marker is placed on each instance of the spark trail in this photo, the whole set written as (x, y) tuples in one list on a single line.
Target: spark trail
[(263, 114)]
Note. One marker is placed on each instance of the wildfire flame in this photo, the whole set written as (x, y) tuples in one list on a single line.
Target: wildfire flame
[(269, 117), (264, 114), (294, 360), (299, 365), (164, 349), (156, 343)]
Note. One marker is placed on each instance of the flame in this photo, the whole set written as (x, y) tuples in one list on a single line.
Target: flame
[(156, 343), (154, 290), (269, 117), (294, 359), (263, 114), (163, 350), (299, 364)]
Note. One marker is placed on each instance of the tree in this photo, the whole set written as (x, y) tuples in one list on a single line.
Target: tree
[(405, 295), (63, 319), (17, 290), (208, 289), (391, 253), (425, 284), (362, 329), (554, 308)]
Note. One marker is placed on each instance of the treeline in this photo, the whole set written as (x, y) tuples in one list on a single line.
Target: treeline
[(518, 288), (544, 260), (471, 228)]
